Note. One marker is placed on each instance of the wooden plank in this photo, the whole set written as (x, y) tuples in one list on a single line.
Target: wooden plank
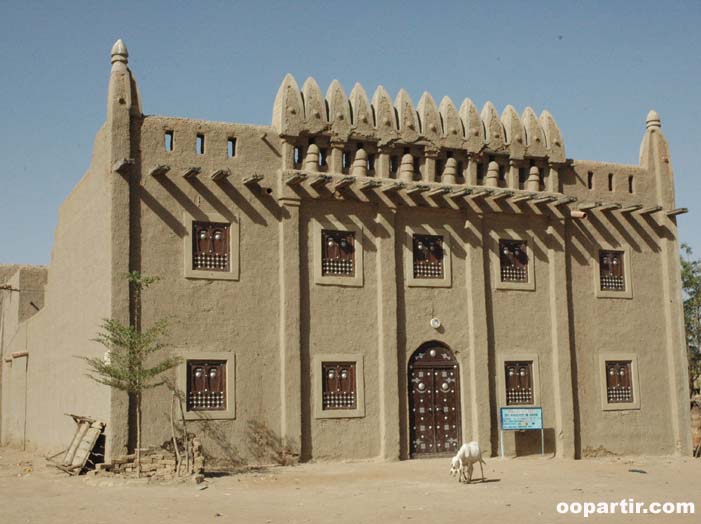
[(77, 437), (86, 445)]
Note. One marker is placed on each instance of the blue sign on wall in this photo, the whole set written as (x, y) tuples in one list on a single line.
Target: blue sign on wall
[(521, 418)]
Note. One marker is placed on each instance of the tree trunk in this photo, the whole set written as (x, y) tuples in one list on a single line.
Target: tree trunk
[(138, 435), (178, 459)]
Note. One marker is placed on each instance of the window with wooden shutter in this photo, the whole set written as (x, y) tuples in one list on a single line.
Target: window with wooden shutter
[(339, 385), (210, 246), (519, 382), (513, 260), (428, 256), (337, 253), (611, 271), (206, 385), (619, 383)]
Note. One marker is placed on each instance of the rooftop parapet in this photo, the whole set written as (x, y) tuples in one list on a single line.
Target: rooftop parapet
[(306, 112)]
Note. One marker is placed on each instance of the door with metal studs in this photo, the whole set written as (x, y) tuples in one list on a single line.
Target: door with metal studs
[(434, 402)]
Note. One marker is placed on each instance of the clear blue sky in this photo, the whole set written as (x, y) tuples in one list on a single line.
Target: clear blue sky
[(597, 66)]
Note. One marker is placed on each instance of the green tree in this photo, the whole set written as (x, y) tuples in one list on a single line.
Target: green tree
[(131, 363), (691, 294)]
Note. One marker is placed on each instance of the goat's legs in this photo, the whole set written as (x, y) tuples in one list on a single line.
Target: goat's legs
[(461, 476), (482, 469)]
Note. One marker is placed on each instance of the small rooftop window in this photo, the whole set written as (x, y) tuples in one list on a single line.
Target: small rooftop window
[(231, 147)]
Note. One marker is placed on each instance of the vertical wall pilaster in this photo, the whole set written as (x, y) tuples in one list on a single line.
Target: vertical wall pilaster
[(472, 167), (289, 329), (677, 360), (335, 161), (655, 157), (553, 178), (563, 400), (122, 105), (387, 333), (382, 164), (429, 174), (512, 176), (475, 399)]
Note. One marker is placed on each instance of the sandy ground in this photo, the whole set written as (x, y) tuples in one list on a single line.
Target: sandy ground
[(518, 490)]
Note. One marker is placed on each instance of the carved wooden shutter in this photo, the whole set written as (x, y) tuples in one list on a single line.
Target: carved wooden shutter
[(513, 259), (519, 382), (206, 385), (619, 386), (210, 246), (611, 271), (337, 253), (428, 256), (339, 385)]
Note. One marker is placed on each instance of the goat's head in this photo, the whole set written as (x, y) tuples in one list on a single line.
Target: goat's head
[(455, 466)]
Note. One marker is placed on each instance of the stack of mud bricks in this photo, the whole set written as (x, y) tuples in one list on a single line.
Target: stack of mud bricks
[(156, 464), (198, 460)]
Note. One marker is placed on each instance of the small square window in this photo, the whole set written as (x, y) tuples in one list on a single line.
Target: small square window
[(611, 271), (619, 381), (513, 260), (339, 386), (231, 147), (519, 382), (169, 140), (337, 253), (205, 380), (428, 256), (210, 246), (206, 385)]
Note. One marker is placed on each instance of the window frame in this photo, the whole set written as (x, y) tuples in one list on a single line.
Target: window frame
[(317, 371), (495, 260), (408, 247), (533, 358), (230, 382), (234, 247), (634, 380), (218, 364), (337, 237), (627, 293), (519, 363), (327, 366), (522, 245), (329, 223), (208, 227)]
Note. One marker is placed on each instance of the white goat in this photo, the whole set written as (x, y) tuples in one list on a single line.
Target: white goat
[(466, 456)]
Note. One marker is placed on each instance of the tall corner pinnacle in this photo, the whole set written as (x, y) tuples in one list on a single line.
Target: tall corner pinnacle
[(119, 52), (653, 119)]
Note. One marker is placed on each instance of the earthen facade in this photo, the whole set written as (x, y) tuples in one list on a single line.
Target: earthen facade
[(369, 278)]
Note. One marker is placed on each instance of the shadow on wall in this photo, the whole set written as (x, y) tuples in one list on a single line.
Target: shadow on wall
[(528, 442)]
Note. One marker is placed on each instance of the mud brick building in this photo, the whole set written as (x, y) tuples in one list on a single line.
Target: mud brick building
[(368, 277)]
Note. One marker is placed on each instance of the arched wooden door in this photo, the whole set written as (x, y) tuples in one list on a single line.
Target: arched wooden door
[(434, 401)]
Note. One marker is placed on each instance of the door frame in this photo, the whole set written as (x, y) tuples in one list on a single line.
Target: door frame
[(454, 364)]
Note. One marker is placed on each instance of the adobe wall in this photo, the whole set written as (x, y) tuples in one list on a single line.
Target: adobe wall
[(620, 325), (76, 300), (233, 318)]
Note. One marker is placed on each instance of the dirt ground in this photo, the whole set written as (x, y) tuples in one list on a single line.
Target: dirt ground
[(518, 490)]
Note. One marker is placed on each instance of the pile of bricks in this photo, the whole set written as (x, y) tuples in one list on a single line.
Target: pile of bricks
[(156, 464)]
